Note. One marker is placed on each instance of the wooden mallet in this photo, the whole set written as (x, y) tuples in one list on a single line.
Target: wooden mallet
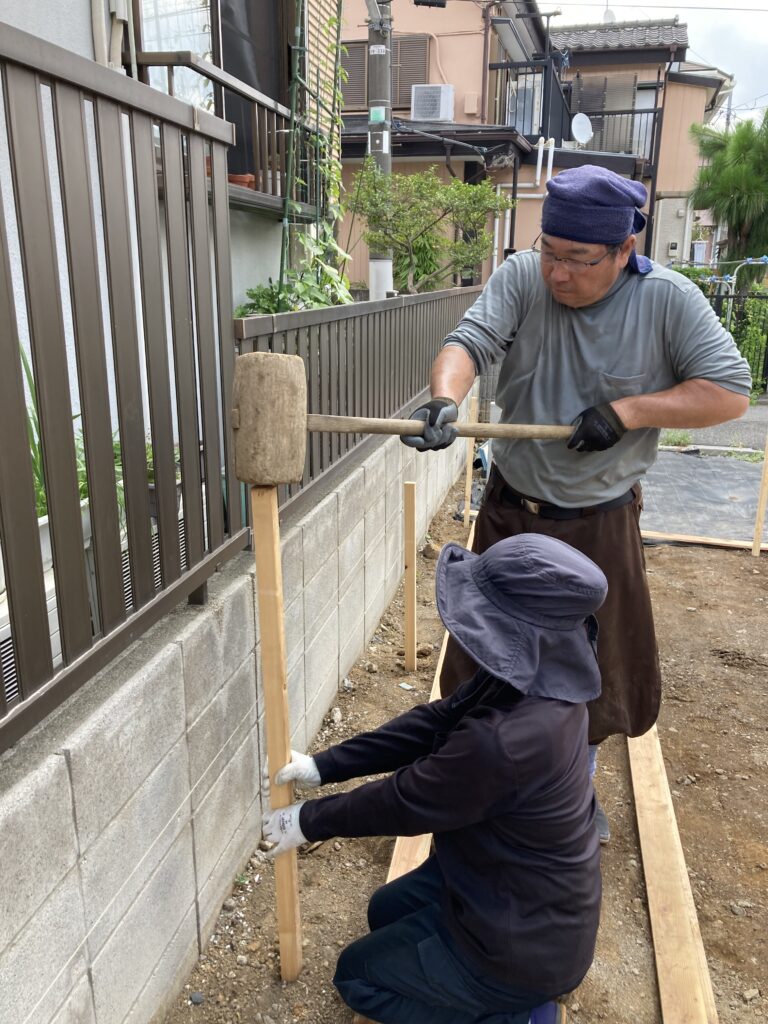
[(270, 423)]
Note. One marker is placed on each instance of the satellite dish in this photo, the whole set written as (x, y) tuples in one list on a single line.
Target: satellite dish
[(581, 128)]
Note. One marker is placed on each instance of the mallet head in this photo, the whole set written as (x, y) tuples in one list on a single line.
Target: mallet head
[(269, 418)]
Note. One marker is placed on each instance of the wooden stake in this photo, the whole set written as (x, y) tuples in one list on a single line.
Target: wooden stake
[(685, 988), (470, 460), (761, 503), (688, 538), (409, 506), (269, 579)]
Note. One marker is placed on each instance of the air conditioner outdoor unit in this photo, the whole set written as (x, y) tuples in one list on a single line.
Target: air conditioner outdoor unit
[(431, 102)]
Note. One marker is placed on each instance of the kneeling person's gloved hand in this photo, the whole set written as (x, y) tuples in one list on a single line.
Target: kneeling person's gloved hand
[(282, 827), (596, 429), (301, 768), (438, 415)]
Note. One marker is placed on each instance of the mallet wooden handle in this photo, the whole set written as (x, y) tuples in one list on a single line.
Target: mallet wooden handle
[(365, 425)]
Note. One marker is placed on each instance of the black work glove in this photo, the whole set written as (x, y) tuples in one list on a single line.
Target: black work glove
[(438, 415), (596, 429)]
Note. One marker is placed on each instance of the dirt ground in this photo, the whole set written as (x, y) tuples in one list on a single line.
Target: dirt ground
[(711, 609)]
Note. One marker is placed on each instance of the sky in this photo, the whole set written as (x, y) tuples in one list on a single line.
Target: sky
[(730, 36)]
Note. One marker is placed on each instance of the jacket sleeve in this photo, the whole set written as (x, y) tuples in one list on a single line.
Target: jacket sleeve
[(394, 744), (468, 780)]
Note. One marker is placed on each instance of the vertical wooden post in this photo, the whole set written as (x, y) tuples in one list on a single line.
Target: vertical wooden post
[(761, 503), (409, 507), (269, 579), (470, 460)]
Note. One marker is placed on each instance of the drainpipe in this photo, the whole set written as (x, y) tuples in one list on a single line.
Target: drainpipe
[(495, 262), (99, 28), (515, 170), (486, 52), (657, 153)]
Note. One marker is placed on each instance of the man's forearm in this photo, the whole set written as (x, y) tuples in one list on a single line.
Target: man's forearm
[(452, 374), (693, 403)]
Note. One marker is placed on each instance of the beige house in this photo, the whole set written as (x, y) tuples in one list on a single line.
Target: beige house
[(501, 79)]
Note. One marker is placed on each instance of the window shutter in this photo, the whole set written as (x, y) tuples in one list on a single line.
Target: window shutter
[(410, 66), (355, 88)]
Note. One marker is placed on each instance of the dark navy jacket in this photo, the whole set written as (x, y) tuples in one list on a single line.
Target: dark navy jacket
[(503, 782)]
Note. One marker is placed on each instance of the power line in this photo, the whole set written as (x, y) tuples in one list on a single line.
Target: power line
[(655, 7)]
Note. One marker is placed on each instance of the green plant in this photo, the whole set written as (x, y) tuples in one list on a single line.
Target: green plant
[(676, 438), (81, 465), (699, 275), (732, 182), (434, 228)]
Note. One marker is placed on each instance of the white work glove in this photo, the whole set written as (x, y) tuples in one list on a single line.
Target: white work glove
[(282, 827), (301, 768)]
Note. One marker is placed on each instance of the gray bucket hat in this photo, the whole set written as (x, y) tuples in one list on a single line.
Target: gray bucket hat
[(524, 611)]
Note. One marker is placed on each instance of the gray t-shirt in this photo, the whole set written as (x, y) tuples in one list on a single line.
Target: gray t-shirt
[(647, 334)]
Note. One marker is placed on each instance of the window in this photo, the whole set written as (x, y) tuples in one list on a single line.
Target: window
[(410, 66)]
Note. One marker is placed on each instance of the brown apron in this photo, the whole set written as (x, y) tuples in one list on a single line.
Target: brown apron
[(627, 653)]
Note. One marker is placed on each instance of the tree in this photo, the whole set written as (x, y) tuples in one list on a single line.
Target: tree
[(733, 183), (434, 228)]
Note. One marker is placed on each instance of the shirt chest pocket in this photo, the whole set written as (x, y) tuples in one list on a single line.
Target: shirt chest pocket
[(612, 386)]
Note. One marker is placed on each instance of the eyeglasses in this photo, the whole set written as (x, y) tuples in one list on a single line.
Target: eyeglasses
[(548, 259)]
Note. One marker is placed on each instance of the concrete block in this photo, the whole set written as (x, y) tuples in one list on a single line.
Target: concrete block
[(352, 620), (322, 658), (200, 642), (375, 522), (221, 729), (169, 975), (325, 697), (127, 853), (375, 476), (394, 449), (395, 557), (292, 558), (123, 741), (320, 594), (375, 610), (125, 964), (225, 805), (394, 500), (375, 573), (46, 954), (78, 1007), (297, 701), (351, 495), (38, 845), (320, 530), (293, 623), (351, 552), (236, 616), (233, 856), (351, 644)]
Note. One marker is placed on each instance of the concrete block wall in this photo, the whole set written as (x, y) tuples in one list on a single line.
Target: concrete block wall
[(125, 817)]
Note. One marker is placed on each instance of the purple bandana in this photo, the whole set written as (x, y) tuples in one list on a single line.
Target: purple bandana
[(593, 205)]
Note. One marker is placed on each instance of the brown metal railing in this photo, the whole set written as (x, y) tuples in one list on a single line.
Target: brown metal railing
[(365, 359), (263, 132), (117, 357)]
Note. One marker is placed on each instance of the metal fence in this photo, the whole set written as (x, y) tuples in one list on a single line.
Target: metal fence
[(746, 317), (117, 493)]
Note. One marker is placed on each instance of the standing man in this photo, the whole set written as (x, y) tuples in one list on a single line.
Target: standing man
[(587, 332)]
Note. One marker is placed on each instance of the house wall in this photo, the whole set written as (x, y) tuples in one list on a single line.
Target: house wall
[(679, 157), (65, 24), (455, 50), (125, 817), (255, 242)]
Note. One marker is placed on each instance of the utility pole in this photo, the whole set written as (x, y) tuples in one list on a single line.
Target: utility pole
[(379, 98)]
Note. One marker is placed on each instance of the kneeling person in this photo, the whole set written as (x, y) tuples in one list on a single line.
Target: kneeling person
[(502, 918)]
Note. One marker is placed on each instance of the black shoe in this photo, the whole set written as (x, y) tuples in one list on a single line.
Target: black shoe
[(601, 824)]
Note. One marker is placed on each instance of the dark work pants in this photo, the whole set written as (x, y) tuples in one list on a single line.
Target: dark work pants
[(408, 970)]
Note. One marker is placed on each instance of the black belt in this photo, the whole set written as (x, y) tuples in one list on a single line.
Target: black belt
[(509, 496)]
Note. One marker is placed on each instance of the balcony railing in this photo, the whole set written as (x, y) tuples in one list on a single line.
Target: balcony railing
[(531, 99), (258, 160), (624, 131)]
